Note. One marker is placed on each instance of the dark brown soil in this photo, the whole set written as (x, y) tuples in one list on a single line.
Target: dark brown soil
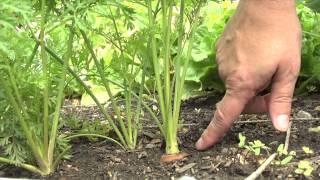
[(104, 160)]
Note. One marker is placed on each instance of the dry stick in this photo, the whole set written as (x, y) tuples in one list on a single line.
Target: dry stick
[(263, 166), (267, 120), (242, 122)]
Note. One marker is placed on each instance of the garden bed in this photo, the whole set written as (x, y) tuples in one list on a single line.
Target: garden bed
[(104, 160)]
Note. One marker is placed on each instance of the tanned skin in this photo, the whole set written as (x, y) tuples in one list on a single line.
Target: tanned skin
[(260, 46)]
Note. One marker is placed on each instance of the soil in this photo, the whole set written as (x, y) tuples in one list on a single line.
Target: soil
[(104, 160)]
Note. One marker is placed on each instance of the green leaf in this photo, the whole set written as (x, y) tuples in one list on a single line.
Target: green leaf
[(258, 143), (257, 151), (100, 93), (314, 5), (307, 150), (308, 172), (280, 149), (286, 160), (242, 139), (304, 164)]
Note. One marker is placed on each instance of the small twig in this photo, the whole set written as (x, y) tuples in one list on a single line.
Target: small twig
[(263, 166), (243, 122), (286, 144), (267, 120)]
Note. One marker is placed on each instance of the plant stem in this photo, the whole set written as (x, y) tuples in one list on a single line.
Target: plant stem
[(181, 77), (126, 82), (23, 165), (88, 90), (96, 135), (16, 92), (107, 86), (311, 34), (156, 67), (57, 58), (46, 88), (138, 111), (33, 54), (26, 129), (177, 97), (59, 99)]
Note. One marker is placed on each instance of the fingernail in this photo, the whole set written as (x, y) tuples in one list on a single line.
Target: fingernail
[(282, 122), (199, 143)]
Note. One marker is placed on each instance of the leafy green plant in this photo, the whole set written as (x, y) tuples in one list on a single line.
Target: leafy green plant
[(170, 86), (310, 65), (126, 62), (313, 4), (125, 66), (203, 71), (35, 117), (288, 157), (305, 168), (256, 146)]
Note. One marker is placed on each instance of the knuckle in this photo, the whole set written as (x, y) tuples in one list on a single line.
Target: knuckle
[(206, 136), (222, 72), (219, 121), (241, 83), (282, 99), (237, 80)]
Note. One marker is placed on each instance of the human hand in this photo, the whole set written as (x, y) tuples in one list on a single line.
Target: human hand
[(260, 45)]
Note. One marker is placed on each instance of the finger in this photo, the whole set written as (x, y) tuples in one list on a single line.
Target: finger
[(281, 98), (227, 111), (258, 104)]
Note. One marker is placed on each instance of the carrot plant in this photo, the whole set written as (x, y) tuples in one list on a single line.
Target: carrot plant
[(127, 122), (170, 87), (32, 109), (124, 121)]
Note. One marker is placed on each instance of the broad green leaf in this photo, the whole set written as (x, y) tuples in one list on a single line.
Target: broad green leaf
[(314, 5), (100, 93)]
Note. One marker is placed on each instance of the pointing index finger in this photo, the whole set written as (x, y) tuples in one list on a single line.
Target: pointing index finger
[(228, 109)]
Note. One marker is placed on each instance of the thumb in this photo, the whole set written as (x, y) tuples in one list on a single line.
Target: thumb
[(281, 99)]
